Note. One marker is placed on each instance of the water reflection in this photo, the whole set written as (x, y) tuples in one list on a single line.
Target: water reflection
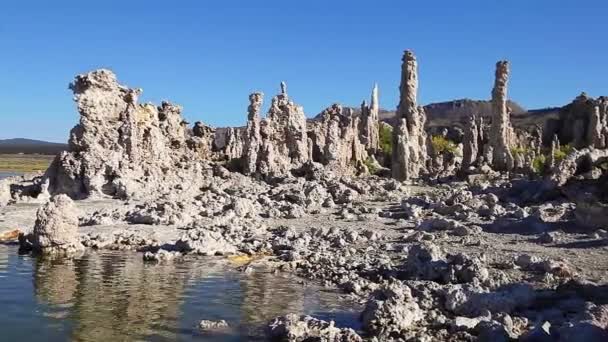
[(116, 296), (113, 295)]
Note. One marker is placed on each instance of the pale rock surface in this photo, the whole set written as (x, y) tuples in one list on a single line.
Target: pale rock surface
[(568, 167), (584, 122), (336, 140), (501, 130), (391, 309), (409, 136), (295, 328), (123, 149), (234, 148), (56, 228), (370, 134), (213, 326), (253, 137), (470, 143), (5, 191), (279, 143)]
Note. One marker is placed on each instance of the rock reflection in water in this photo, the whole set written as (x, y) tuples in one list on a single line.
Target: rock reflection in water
[(116, 296), (110, 296)]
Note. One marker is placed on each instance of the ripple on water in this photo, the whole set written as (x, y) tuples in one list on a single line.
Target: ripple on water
[(116, 296)]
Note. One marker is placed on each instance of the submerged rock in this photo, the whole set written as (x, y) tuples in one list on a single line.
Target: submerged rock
[(213, 326), (162, 256), (295, 328)]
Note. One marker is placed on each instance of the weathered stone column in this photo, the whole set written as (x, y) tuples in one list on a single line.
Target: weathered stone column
[(500, 129), (409, 138), (374, 116), (128, 130), (370, 122), (470, 143), (252, 134), (595, 129), (603, 113), (234, 144), (550, 164)]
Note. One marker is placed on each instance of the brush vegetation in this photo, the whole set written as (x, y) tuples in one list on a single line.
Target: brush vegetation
[(443, 145), (386, 139), (19, 163)]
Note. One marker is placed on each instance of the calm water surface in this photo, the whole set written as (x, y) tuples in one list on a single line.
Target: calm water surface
[(115, 296), (5, 174)]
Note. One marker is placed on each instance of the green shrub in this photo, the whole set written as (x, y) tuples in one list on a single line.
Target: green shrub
[(538, 163), (562, 152), (442, 145), (517, 151), (386, 139), (372, 167)]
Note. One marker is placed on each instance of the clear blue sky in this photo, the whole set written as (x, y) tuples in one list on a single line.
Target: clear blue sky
[(209, 55)]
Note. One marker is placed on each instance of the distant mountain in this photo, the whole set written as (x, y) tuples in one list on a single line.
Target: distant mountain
[(30, 146), (456, 113)]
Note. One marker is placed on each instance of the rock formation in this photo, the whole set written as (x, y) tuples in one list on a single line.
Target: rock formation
[(582, 123), (202, 140), (253, 138), (470, 143), (335, 139), (580, 162), (234, 148), (370, 124), (409, 137), (56, 228), (280, 144), (550, 163), (501, 130), (121, 148), (597, 130), (293, 327), (5, 191)]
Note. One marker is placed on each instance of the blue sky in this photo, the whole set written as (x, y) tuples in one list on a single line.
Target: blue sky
[(209, 55)]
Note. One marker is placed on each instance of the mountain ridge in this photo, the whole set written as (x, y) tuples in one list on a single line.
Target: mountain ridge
[(30, 146)]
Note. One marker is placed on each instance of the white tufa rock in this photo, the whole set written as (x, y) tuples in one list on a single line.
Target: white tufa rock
[(409, 137)]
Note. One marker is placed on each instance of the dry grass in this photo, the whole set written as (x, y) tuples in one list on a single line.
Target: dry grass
[(24, 162)]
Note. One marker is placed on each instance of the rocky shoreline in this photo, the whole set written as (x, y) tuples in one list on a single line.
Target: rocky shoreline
[(439, 242)]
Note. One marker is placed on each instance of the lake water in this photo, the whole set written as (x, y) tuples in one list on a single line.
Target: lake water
[(5, 174), (115, 296)]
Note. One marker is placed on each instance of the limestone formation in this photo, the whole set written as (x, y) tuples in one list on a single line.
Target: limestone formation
[(234, 148), (335, 139), (409, 137), (253, 138), (279, 143), (470, 143), (293, 327), (501, 130), (596, 130), (551, 157), (579, 162), (287, 124), (5, 191), (56, 227), (370, 134), (582, 123), (121, 148), (202, 140)]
